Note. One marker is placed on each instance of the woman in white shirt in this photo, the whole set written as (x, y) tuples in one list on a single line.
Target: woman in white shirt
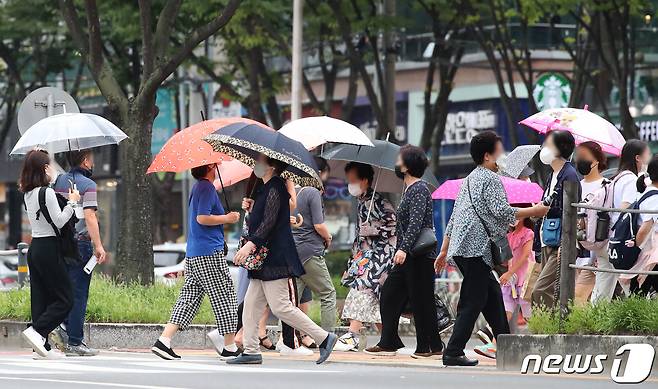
[(51, 296), (646, 237), (590, 162), (635, 157)]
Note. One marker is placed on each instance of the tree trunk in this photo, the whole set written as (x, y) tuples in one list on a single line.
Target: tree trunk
[(134, 256)]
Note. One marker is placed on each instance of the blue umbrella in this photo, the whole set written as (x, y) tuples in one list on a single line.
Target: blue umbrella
[(245, 142)]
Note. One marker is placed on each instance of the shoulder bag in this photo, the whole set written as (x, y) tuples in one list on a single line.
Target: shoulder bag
[(500, 250), (66, 242)]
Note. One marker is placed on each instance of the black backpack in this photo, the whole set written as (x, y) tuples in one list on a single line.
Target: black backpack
[(68, 245), (621, 256)]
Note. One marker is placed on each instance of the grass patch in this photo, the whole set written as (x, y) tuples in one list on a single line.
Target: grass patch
[(630, 316), (110, 302)]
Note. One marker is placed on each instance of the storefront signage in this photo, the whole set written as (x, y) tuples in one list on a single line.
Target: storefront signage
[(461, 126), (552, 90)]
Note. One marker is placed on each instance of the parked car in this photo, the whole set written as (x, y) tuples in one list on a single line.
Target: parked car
[(8, 272), (169, 262)]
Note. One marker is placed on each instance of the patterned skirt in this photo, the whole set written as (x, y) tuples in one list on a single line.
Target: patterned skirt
[(362, 305)]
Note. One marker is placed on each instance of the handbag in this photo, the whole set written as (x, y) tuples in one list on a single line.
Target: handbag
[(425, 243), (552, 232), (256, 257), (500, 250), (443, 315)]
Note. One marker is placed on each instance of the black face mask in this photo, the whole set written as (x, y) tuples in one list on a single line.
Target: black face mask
[(584, 167), (399, 173)]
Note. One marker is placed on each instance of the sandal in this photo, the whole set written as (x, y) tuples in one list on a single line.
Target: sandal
[(262, 340), (309, 345)]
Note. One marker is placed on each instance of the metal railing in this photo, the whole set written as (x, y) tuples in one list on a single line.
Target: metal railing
[(21, 252)]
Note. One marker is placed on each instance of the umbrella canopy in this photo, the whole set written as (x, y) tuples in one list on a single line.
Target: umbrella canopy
[(518, 191), (245, 141), (318, 130), (518, 160), (583, 124), (69, 131), (186, 150), (383, 156)]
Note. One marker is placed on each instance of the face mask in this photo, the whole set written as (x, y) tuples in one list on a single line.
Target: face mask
[(584, 167), (546, 155), (260, 169), (644, 166), (51, 174), (399, 173), (355, 189), (501, 162)]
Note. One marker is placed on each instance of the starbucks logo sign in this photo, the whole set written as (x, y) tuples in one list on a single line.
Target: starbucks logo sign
[(552, 90)]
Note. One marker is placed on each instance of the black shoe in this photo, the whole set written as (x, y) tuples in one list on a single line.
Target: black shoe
[(246, 359), (163, 351), (226, 355), (458, 361)]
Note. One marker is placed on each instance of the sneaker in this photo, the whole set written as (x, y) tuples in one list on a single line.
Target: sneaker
[(347, 342), (35, 340), (380, 352), (81, 350), (226, 355), (486, 335), (486, 350), (163, 351), (300, 351), (217, 341), (60, 337), (329, 344), (52, 354), (246, 359)]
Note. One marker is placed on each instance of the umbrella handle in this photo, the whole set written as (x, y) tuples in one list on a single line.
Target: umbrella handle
[(228, 209), (374, 190)]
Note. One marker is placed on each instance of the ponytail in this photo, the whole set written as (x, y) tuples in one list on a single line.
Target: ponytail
[(640, 184)]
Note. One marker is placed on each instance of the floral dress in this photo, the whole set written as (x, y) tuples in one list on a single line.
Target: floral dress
[(371, 260)]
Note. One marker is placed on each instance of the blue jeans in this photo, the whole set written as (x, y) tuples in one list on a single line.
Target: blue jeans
[(80, 282)]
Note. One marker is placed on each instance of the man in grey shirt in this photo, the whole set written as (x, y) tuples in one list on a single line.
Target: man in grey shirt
[(311, 239)]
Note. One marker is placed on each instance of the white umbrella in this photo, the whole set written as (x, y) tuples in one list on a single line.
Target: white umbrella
[(69, 131), (318, 130)]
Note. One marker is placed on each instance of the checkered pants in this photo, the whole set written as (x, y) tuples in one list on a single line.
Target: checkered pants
[(207, 274)]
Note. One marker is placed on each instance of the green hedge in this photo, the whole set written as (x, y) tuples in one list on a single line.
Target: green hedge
[(629, 316), (113, 303)]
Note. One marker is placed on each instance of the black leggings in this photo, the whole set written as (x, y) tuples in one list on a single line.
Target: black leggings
[(51, 295)]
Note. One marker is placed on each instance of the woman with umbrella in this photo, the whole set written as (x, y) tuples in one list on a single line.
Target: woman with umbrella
[(269, 227), (372, 254)]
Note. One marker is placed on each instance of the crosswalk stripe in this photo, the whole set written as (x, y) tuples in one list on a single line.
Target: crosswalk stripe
[(80, 368), (87, 383), (226, 368)]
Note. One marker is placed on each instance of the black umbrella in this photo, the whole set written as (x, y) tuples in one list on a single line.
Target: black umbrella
[(244, 142), (383, 156)]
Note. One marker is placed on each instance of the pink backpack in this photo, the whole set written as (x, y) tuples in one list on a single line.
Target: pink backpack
[(589, 219)]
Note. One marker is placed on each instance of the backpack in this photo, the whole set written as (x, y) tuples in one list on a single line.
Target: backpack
[(68, 245), (593, 228), (620, 255)]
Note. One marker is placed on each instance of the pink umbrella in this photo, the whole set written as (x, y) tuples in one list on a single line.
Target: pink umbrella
[(583, 124), (518, 191)]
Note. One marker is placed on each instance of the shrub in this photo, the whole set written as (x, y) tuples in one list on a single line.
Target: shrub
[(629, 316)]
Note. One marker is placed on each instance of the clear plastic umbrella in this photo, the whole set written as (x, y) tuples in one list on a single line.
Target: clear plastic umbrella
[(69, 131)]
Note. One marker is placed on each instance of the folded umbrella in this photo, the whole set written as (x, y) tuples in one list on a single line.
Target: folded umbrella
[(518, 191), (245, 142), (69, 131), (383, 155), (583, 124), (518, 159), (315, 131)]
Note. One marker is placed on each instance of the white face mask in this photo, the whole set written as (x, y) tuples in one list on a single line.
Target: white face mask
[(260, 169), (355, 189), (546, 155), (51, 172)]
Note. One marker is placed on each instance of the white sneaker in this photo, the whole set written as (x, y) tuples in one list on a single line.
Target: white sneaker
[(347, 342), (52, 354), (217, 340), (35, 340), (300, 351)]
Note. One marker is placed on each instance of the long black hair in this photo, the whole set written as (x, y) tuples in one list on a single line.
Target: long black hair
[(631, 149)]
